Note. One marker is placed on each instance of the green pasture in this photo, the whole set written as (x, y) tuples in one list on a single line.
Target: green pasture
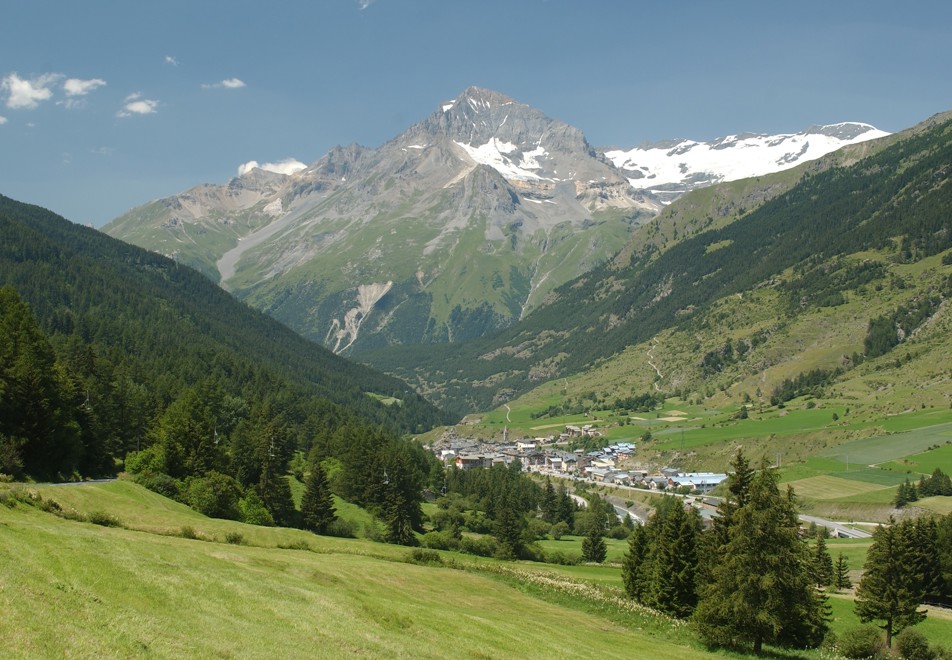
[(571, 546), (924, 463), (70, 588), (896, 443)]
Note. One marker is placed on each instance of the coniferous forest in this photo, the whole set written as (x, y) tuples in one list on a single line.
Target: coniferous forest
[(112, 358)]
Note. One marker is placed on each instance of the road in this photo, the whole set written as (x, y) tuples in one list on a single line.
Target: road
[(640, 516)]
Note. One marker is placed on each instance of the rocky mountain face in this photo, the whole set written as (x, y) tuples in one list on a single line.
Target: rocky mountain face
[(458, 227)]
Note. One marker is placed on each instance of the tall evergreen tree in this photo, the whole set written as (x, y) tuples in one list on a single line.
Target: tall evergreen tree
[(593, 545), (633, 575), (760, 590), (317, 503), (550, 503), (673, 587), (37, 415), (822, 563), (891, 588), (841, 574), (508, 528)]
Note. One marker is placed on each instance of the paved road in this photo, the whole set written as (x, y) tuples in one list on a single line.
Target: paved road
[(839, 529)]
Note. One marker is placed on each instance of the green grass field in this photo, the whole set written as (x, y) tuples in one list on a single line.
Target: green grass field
[(78, 589), (70, 588)]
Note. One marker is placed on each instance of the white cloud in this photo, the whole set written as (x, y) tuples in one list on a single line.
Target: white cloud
[(3, 120), (229, 83), (171, 60), (23, 93), (287, 166), (77, 87), (136, 105), (363, 4)]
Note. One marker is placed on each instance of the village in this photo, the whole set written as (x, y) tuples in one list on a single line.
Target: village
[(611, 464)]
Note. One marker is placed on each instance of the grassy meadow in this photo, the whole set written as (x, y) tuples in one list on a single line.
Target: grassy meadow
[(141, 588), (157, 579)]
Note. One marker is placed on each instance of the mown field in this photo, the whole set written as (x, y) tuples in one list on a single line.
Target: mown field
[(71, 588), (160, 580)]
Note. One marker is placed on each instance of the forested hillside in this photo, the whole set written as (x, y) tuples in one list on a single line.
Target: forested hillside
[(895, 201), (109, 353)]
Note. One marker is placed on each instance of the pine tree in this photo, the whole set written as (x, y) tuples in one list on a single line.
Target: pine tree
[(317, 503), (841, 575), (673, 585), (508, 528), (822, 563), (550, 503), (634, 561), (275, 492), (891, 588), (759, 590), (593, 545), (902, 495)]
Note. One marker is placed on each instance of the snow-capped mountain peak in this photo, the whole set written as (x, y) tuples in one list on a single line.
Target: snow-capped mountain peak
[(673, 167)]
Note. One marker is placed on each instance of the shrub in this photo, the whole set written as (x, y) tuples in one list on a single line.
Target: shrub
[(150, 460), (160, 483), (216, 495), (440, 541), (862, 642), (424, 556), (103, 518), (562, 559), (480, 546), (251, 510), (341, 528), (295, 545), (235, 538), (619, 532), (188, 532), (560, 529), (913, 645)]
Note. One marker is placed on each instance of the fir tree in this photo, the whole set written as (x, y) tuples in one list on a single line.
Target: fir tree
[(891, 588), (841, 574), (822, 563), (550, 503), (508, 529), (593, 545), (673, 587), (634, 560), (317, 503), (759, 590)]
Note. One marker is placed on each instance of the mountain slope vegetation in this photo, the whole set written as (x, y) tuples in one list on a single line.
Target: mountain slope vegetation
[(169, 323), (894, 201)]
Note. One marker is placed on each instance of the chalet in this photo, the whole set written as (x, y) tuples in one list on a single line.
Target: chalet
[(526, 445)]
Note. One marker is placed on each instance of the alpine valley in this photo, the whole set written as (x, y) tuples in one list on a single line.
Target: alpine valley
[(457, 228)]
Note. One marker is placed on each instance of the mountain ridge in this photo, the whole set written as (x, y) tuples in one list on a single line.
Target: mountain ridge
[(465, 222)]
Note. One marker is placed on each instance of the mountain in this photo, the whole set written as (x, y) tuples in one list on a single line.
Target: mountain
[(669, 169), (135, 321), (844, 229), (457, 227)]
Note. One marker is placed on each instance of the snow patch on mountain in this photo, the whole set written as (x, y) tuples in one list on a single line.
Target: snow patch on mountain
[(680, 165), (508, 159)]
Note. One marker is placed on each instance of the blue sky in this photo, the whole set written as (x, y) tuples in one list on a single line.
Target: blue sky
[(105, 105)]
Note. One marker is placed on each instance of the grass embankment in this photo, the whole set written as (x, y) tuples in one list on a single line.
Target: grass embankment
[(78, 589)]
